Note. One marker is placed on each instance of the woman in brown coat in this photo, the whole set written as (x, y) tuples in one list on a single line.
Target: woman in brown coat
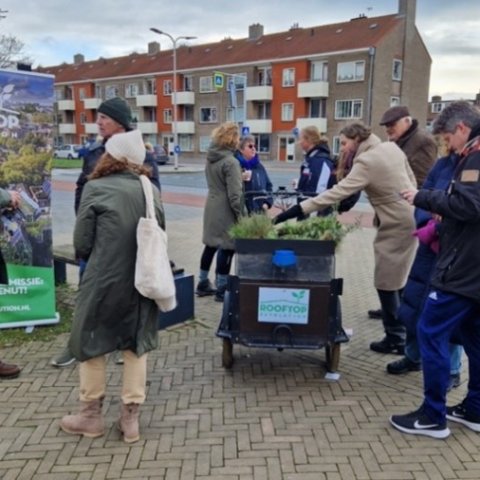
[(382, 171)]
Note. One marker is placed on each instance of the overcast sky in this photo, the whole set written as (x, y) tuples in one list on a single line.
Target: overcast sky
[(54, 30)]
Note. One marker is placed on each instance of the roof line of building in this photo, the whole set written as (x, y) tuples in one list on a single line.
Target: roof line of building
[(215, 67)]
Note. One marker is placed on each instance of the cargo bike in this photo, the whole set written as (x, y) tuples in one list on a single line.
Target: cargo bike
[(283, 295)]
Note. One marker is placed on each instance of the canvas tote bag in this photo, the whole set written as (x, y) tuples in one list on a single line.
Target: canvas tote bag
[(153, 274)]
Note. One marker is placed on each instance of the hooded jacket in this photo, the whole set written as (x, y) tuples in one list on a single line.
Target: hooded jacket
[(457, 269), (225, 201), (316, 171)]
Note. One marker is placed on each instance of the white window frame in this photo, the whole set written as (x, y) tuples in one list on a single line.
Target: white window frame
[(394, 101), (206, 84), (83, 118), (288, 77), (131, 90), (167, 116), (354, 102), (82, 93), (240, 80), (213, 120), (355, 77), (437, 107), (111, 91), (288, 112), (336, 145), (188, 83), (235, 114), (204, 143), (397, 69), (167, 87), (257, 142), (263, 76), (319, 65), (185, 141)]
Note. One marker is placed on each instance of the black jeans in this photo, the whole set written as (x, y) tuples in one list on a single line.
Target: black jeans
[(207, 257), (395, 330), (224, 259)]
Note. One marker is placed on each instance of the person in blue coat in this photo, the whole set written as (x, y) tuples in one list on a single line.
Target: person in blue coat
[(418, 283), (255, 177)]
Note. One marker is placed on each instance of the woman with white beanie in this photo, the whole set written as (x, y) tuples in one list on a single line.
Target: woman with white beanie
[(110, 313)]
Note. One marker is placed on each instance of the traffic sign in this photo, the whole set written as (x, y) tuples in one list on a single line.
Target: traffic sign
[(245, 130), (218, 80), (296, 131), (177, 149)]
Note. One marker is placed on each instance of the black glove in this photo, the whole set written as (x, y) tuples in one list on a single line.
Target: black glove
[(292, 212)]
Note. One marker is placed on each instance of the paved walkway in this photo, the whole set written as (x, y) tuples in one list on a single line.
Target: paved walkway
[(273, 416)]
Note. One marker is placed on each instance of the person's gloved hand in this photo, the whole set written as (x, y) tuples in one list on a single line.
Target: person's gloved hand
[(292, 212)]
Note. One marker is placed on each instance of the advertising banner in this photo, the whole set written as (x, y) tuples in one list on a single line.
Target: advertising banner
[(26, 129), (283, 305)]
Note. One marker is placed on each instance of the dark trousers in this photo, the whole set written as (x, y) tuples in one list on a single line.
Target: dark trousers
[(443, 314), (395, 331), (224, 259)]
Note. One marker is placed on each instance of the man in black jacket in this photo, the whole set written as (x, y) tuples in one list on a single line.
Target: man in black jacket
[(453, 305)]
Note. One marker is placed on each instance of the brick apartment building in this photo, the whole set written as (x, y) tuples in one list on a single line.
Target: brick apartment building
[(437, 104), (326, 76)]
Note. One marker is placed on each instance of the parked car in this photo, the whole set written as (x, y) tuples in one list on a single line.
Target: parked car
[(160, 154), (67, 151)]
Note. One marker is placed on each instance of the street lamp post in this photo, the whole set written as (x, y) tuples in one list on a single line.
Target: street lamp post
[(174, 92)]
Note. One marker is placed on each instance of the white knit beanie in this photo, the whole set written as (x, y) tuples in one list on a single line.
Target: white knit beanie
[(128, 145)]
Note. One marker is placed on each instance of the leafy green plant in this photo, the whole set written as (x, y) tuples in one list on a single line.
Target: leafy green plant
[(259, 226)]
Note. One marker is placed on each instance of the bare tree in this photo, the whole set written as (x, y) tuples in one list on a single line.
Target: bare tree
[(11, 51)]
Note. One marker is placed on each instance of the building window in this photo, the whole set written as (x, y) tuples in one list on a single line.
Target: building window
[(131, 90), (319, 72), (167, 115), (287, 112), (150, 87), (317, 108), (264, 110), (187, 114), (240, 79), (351, 71), (437, 107), (235, 114), (204, 143), (336, 145), (208, 115), (206, 84), (262, 140), (288, 77), (264, 76), (185, 142), (167, 87), (394, 101), (111, 91), (135, 115), (98, 91), (83, 118), (346, 109), (82, 93), (188, 83), (397, 70)]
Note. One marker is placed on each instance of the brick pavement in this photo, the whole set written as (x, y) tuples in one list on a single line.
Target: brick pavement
[(273, 416)]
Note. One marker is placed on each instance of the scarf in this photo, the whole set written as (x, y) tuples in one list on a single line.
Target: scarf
[(247, 164)]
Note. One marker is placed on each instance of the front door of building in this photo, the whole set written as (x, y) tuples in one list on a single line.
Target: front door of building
[(286, 148)]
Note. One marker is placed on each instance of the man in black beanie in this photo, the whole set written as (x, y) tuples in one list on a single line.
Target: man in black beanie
[(113, 116)]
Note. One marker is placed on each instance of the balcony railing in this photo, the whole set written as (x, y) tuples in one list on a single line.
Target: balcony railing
[(312, 89), (67, 128), (259, 125), (185, 98), (92, 103), (148, 100), (66, 104), (320, 123), (186, 127), (259, 93), (91, 128), (148, 127)]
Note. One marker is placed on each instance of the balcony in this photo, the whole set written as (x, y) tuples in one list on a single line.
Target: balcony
[(149, 100), (312, 89), (320, 123), (259, 94), (91, 128), (185, 98), (67, 128), (259, 126), (148, 127), (66, 104), (187, 128), (92, 103)]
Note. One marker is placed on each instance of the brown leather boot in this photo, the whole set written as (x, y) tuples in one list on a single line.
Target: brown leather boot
[(128, 423), (8, 370), (88, 421)]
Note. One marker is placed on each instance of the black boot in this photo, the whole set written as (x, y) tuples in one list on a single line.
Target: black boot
[(205, 288), (387, 346), (220, 294)]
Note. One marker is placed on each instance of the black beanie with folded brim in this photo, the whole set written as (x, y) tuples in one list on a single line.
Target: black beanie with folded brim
[(117, 109)]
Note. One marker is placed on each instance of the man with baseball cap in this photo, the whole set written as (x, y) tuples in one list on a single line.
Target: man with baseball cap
[(113, 116)]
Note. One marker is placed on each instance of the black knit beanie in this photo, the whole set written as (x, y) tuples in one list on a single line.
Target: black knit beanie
[(117, 109)]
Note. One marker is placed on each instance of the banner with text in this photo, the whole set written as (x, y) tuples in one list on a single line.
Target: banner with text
[(26, 130)]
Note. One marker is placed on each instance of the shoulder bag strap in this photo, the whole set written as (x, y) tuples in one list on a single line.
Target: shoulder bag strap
[(148, 192)]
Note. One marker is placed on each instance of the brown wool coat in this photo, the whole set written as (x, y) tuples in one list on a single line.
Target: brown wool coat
[(421, 151), (382, 171)]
